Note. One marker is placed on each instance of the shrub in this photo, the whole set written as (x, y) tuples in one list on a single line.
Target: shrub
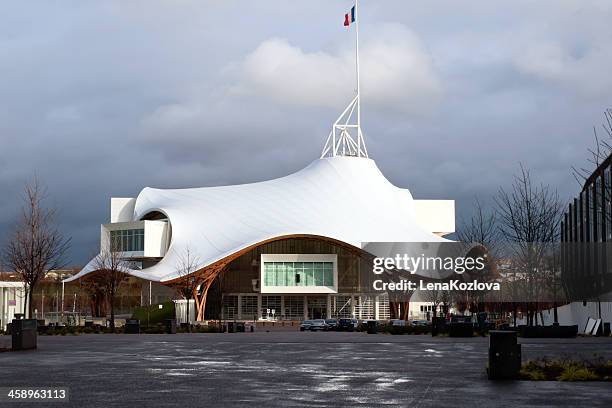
[(533, 375), (566, 370), (153, 314), (576, 373)]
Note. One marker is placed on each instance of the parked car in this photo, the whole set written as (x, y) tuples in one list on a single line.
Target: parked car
[(398, 322), (419, 323), (332, 324), (346, 324), (305, 325), (318, 325)]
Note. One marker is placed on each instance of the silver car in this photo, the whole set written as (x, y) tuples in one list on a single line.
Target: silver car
[(305, 325), (318, 325)]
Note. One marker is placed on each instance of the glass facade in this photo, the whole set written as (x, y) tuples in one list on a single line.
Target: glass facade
[(341, 306), (127, 240), (271, 304), (248, 307), (298, 273), (294, 307), (587, 227), (364, 309), (230, 307)]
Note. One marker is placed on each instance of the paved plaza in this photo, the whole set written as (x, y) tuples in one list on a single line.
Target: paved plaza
[(283, 369)]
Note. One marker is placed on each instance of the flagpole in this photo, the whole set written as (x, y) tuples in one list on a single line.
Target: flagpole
[(357, 18)]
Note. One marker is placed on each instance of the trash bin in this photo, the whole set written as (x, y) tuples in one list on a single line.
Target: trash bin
[(132, 326), (504, 355), (230, 327), (170, 326), (372, 327), (24, 334)]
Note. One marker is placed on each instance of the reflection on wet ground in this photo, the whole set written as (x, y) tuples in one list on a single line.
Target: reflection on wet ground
[(292, 369)]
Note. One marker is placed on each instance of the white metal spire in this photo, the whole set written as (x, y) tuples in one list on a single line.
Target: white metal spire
[(341, 141)]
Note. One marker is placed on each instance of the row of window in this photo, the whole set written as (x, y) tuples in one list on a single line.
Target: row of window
[(298, 273), (127, 240), (589, 218), (294, 307)]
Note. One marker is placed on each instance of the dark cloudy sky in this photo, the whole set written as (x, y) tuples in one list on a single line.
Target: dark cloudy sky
[(103, 98)]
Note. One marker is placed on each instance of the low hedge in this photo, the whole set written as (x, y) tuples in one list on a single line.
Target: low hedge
[(153, 314), (597, 369)]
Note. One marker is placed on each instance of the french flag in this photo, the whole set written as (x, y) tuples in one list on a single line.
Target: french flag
[(349, 17)]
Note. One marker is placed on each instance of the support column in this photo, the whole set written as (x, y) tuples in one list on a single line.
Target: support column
[(63, 291), (353, 307), (305, 307), (329, 306), (376, 308), (282, 309), (239, 311), (259, 303)]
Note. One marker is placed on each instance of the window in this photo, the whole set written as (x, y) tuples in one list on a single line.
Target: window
[(384, 311), (606, 198), (298, 273), (230, 306), (341, 306), (127, 240), (294, 307), (273, 304), (248, 307)]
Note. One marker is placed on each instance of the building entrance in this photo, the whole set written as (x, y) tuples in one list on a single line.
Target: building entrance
[(317, 307)]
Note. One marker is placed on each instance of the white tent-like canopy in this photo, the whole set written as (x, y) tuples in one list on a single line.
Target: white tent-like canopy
[(342, 198)]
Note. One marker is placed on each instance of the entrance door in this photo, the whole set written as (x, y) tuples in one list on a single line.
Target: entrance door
[(317, 307)]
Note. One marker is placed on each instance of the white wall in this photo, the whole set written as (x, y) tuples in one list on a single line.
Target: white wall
[(437, 216), (577, 313), (12, 298), (122, 209), (155, 239)]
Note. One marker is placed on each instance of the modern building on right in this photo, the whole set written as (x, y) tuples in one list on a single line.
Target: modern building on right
[(586, 256)]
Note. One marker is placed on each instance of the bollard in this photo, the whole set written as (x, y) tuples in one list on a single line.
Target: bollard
[(504, 355), (372, 327), (170, 326)]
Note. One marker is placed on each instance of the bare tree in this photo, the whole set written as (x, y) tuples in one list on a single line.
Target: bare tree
[(602, 150), (481, 229), (111, 272), (599, 153), (600, 188), (529, 216), (436, 297), (35, 246), (187, 264)]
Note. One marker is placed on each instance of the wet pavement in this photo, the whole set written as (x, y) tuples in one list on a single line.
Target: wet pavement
[(284, 369)]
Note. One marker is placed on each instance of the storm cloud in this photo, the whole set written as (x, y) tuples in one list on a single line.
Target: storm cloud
[(104, 98)]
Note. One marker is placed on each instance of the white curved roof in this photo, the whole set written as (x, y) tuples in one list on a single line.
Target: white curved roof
[(344, 198)]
